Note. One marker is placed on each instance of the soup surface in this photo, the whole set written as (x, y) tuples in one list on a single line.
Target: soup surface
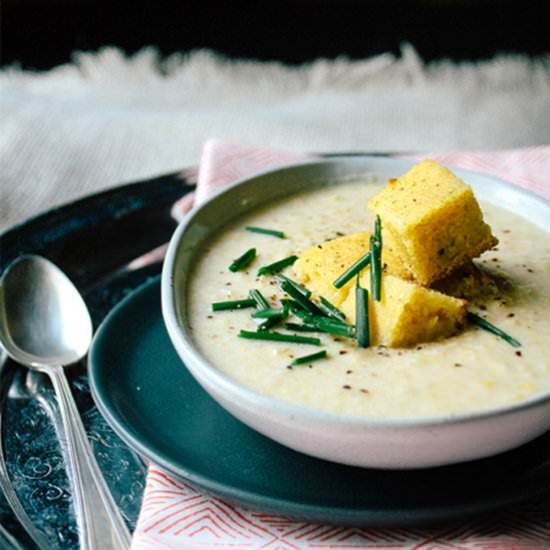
[(471, 371)]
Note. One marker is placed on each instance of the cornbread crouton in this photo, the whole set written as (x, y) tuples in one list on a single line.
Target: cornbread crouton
[(318, 266), (407, 313), (432, 223)]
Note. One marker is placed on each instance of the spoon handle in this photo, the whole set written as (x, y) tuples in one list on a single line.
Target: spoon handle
[(100, 522), (7, 542)]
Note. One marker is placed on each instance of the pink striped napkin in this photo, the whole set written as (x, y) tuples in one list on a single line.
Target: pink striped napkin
[(176, 516)]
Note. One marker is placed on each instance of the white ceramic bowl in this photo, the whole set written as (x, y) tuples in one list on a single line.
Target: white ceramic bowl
[(359, 441)]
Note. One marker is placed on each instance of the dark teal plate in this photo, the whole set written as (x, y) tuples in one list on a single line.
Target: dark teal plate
[(150, 399)]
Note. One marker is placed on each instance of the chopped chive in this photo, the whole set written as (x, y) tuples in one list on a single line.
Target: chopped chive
[(233, 304), (272, 232), (330, 310), (332, 326), (378, 230), (301, 328), (311, 318), (278, 337), (270, 313), (306, 303), (355, 268), (302, 289), (375, 269), (268, 323), (306, 315), (243, 261), (329, 326), (275, 267), (309, 358), (293, 305), (376, 260), (489, 327), (326, 324), (259, 299), (263, 306), (362, 315)]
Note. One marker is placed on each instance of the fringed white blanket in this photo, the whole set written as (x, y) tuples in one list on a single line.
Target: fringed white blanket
[(106, 118)]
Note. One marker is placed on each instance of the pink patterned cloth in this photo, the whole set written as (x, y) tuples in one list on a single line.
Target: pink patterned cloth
[(176, 516)]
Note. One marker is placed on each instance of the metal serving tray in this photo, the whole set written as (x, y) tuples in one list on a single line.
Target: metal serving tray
[(93, 240)]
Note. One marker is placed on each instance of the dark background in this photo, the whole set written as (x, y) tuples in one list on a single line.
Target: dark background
[(40, 34)]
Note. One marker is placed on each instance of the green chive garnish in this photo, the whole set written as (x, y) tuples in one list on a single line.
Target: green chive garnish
[(324, 324), (278, 337), (302, 289), (292, 305), (275, 267), (233, 304), (270, 313), (268, 323), (362, 315), (272, 232), (378, 230), (375, 269), (243, 261), (332, 327), (276, 317), (489, 327), (258, 297), (304, 302), (330, 310), (263, 305), (358, 266), (301, 328), (309, 358)]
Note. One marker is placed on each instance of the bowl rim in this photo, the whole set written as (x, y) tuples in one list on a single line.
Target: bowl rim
[(184, 344)]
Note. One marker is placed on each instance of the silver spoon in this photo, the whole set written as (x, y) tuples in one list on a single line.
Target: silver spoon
[(45, 325)]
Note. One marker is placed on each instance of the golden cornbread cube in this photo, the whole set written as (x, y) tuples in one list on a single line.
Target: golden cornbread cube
[(431, 223), (408, 314), (318, 266)]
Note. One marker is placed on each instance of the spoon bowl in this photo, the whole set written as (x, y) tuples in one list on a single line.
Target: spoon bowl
[(45, 325), (43, 319)]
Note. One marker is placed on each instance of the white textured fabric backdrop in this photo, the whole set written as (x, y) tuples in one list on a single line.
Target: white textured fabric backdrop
[(107, 119)]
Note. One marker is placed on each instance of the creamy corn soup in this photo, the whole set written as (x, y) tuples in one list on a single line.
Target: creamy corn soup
[(472, 371)]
